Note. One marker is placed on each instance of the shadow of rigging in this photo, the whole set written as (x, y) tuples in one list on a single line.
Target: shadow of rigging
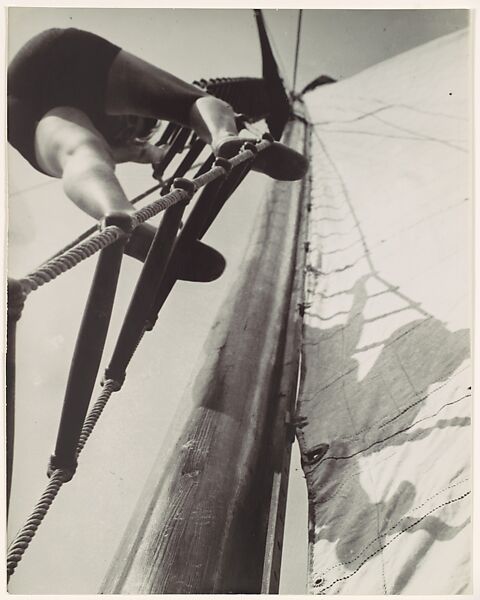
[(346, 415)]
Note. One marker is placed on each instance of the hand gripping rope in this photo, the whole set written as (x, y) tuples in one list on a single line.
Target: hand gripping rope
[(219, 181)]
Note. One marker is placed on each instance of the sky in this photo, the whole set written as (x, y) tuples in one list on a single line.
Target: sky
[(74, 544), (338, 43)]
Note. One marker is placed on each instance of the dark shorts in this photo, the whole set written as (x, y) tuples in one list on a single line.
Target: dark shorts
[(59, 67)]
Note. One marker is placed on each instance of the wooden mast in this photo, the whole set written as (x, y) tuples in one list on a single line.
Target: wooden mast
[(204, 519)]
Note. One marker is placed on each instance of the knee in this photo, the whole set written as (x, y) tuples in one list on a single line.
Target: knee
[(87, 158), (87, 154), (66, 134), (83, 143), (89, 149)]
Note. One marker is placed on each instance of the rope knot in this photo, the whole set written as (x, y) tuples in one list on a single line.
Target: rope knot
[(249, 146), (16, 295), (122, 220), (224, 164), (65, 472), (182, 183), (112, 384)]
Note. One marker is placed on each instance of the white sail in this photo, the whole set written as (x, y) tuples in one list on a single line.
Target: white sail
[(384, 410)]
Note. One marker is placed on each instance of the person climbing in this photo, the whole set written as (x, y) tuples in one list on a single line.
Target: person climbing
[(78, 105)]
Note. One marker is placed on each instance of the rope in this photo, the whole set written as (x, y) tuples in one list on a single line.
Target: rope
[(71, 258), (163, 203), (94, 415), (57, 478), (28, 531), (51, 270), (86, 234), (142, 196)]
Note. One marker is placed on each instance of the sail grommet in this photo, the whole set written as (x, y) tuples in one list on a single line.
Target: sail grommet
[(316, 454)]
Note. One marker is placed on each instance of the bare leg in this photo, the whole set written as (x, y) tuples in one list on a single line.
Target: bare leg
[(137, 87), (69, 147)]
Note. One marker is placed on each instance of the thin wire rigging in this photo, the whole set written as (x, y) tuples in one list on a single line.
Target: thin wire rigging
[(282, 69), (295, 67)]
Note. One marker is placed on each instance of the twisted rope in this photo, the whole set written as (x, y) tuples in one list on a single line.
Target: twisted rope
[(26, 534), (58, 477), (63, 263), (71, 258), (94, 415), (160, 205)]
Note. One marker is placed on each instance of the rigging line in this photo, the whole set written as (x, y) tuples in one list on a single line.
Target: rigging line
[(59, 476), (32, 187), (83, 236), (281, 66), (299, 27)]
